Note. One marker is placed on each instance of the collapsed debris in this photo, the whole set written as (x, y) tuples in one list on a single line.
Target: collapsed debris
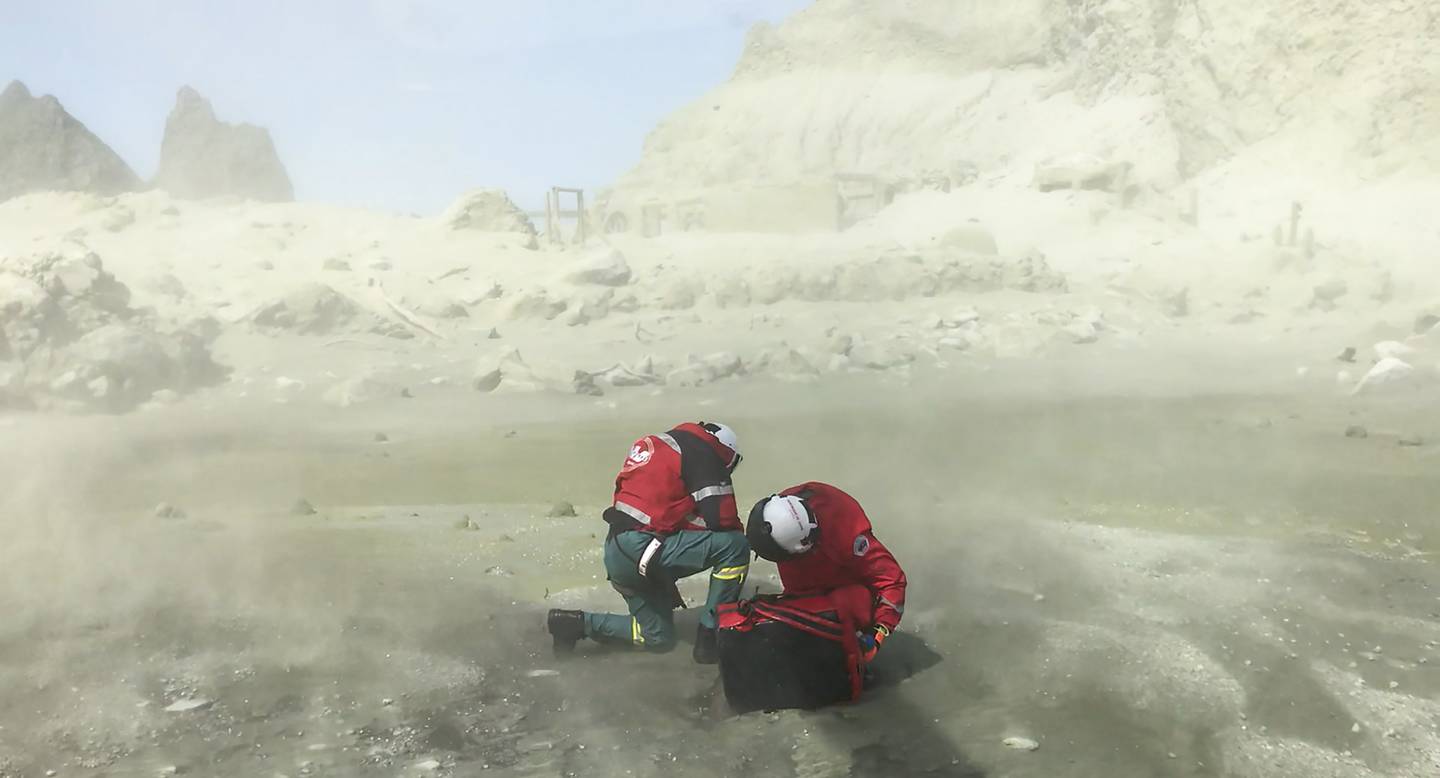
[(69, 339)]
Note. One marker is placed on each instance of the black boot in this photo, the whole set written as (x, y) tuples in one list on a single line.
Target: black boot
[(707, 647), (566, 628)]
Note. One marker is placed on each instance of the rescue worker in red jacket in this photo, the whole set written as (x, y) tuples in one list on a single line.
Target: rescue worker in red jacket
[(674, 515), (821, 540)]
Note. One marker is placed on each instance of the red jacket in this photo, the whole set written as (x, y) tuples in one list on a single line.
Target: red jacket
[(845, 553), (678, 480)]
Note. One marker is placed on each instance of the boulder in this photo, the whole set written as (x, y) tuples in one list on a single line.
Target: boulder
[(881, 355), (1387, 374), (202, 157), (589, 308), (536, 304), (704, 370), (44, 148), (605, 268), (731, 291), (72, 341), (643, 374), (584, 382), (120, 365), (440, 307), (1080, 332), (679, 294), (312, 309), (785, 364), (490, 210)]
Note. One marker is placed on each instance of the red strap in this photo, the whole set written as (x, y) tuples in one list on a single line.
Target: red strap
[(802, 621)]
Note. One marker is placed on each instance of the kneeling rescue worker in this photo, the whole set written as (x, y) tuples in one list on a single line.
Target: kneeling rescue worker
[(674, 515), (821, 540)]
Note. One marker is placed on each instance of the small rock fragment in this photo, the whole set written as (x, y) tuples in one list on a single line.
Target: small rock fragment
[(1348, 355), (381, 437), (1020, 743), (302, 507), (1412, 440), (428, 765), (1356, 431), (584, 383), (561, 509), (188, 704), (167, 511)]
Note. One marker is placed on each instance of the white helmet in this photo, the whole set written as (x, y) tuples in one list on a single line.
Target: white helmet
[(784, 527), (727, 438)]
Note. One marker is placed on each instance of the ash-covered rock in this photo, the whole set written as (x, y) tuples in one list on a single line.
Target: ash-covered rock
[(69, 338), (490, 210), (312, 309)]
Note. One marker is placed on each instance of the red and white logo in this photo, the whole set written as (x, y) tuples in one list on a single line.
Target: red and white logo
[(640, 454)]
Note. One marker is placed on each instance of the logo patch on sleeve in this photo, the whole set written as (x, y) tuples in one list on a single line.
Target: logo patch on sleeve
[(640, 454), (862, 544)]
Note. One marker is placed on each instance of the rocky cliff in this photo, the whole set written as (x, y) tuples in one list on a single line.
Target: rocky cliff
[(42, 147), (203, 157)]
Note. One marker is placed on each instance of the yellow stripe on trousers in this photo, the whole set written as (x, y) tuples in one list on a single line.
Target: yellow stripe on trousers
[(731, 573)]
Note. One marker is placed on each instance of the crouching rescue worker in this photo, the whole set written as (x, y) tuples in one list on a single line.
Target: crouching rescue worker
[(821, 540), (674, 515)]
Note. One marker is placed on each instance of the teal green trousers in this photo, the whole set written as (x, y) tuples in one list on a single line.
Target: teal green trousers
[(651, 623)]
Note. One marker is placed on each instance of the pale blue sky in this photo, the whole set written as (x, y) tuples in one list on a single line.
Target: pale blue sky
[(398, 104)]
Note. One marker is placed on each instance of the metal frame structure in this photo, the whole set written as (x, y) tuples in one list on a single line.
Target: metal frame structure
[(554, 213)]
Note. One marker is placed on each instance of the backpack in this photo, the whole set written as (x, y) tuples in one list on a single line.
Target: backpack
[(782, 651)]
